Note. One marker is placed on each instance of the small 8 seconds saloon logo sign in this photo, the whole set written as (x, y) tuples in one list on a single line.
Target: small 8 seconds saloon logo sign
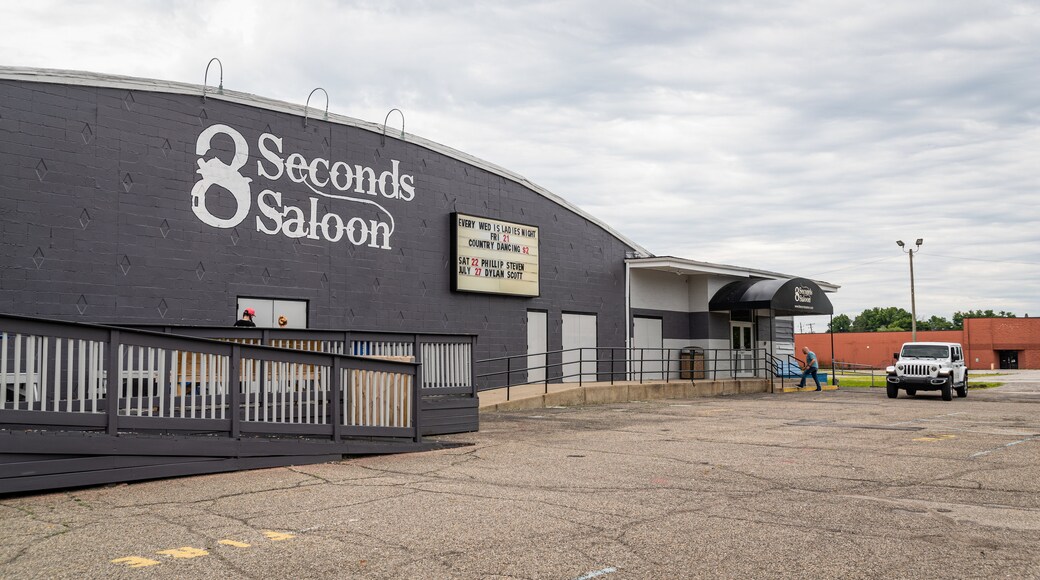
[(282, 214), (803, 294)]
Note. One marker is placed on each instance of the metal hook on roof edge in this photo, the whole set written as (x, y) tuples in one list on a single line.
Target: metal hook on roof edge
[(205, 79), (306, 108), (382, 138)]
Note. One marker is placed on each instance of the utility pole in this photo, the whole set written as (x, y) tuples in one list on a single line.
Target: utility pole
[(913, 299)]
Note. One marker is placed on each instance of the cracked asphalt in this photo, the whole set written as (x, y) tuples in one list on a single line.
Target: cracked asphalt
[(845, 484)]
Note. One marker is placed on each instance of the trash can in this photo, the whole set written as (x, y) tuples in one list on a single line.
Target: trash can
[(691, 363)]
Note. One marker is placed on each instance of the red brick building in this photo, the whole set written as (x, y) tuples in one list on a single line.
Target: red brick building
[(998, 343)]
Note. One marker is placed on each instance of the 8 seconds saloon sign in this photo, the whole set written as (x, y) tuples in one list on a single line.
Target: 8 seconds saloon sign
[(494, 257)]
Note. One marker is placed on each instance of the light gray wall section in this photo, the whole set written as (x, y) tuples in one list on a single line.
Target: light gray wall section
[(689, 325), (715, 323), (96, 226), (656, 290)]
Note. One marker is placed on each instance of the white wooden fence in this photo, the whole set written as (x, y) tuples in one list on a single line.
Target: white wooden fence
[(41, 372)]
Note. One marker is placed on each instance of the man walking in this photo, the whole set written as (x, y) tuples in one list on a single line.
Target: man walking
[(812, 366)]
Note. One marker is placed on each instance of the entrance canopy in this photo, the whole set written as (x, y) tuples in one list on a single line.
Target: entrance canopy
[(785, 297)]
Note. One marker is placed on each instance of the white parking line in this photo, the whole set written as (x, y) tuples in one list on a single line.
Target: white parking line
[(988, 451), (602, 572)]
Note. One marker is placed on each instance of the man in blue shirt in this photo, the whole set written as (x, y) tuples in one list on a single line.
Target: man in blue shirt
[(812, 365)]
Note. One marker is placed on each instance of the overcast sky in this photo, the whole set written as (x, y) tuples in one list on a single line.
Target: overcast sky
[(804, 140)]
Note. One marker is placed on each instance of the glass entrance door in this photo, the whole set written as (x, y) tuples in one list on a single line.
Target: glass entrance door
[(742, 343), (1008, 359)]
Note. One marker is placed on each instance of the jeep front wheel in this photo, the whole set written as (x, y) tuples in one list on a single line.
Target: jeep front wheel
[(947, 390), (893, 391)]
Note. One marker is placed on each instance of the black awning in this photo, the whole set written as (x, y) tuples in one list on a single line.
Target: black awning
[(785, 297)]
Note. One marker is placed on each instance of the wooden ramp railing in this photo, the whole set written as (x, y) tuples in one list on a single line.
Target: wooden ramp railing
[(122, 383)]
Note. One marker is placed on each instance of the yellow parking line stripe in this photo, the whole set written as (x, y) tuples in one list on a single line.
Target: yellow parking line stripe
[(184, 552), (934, 438), (136, 562)]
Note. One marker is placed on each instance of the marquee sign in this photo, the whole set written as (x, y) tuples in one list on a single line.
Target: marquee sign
[(493, 256)]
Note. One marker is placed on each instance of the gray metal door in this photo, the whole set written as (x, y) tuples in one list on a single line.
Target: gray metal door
[(579, 347), (648, 348), (537, 345)]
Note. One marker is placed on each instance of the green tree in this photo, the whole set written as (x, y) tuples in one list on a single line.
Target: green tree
[(881, 318), (840, 323), (935, 323), (958, 317)]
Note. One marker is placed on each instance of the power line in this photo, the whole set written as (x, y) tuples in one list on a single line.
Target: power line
[(855, 265), (986, 260), (991, 261)]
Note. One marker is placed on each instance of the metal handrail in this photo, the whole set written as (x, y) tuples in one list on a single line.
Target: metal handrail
[(845, 368), (778, 367), (844, 365), (733, 367)]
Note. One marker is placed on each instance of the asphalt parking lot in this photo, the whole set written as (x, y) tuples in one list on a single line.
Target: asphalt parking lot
[(842, 484)]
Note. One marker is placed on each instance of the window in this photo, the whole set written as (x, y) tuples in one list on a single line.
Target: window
[(925, 351), (269, 309)]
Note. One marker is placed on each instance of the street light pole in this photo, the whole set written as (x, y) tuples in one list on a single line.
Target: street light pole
[(913, 300)]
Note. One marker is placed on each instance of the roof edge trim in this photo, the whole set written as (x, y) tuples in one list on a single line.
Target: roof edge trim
[(84, 78), (696, 267)]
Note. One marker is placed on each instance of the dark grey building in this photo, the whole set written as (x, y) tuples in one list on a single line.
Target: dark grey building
[(135, 201), (129, 202)]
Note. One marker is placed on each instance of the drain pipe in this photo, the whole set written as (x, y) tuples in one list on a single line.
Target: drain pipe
[(628, 319), (830, 328)]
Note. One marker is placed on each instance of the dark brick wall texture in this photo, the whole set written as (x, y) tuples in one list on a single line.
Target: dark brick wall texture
[(96, 226)]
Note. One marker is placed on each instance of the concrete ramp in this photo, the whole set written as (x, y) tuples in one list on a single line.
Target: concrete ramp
[(570, 394)]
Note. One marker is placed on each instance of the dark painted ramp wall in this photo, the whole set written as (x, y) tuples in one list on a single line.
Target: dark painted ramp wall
[(96, 224)]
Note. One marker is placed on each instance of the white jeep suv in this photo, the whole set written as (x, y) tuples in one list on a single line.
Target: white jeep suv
[(929, 366)]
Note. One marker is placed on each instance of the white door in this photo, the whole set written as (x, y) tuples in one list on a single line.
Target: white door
[(537, 345), (742, 344), (648, 348), (579, 348)]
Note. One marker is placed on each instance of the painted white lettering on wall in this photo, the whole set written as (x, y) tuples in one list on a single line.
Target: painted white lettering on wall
[(278, 215)]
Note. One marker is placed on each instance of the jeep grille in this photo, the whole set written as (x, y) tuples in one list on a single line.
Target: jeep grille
[(916, 369)]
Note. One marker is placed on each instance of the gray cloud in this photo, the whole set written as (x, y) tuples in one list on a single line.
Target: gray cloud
[(804, 139)]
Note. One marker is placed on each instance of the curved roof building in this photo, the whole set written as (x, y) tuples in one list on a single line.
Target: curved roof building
[(134, 201)]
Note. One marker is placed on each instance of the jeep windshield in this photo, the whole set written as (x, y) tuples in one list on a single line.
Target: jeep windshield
[(925, 351)]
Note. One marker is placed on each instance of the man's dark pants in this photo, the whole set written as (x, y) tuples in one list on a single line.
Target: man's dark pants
[(807, 372)]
